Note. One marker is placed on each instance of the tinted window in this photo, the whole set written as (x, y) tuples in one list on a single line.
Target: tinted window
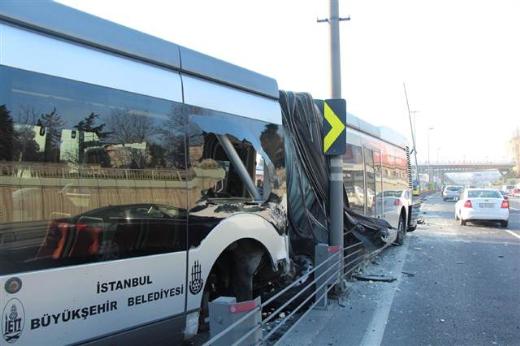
[(87, 173), (395, 178), (259, 145), (484, 194), (370, 180), (216, 188), (353, 177)]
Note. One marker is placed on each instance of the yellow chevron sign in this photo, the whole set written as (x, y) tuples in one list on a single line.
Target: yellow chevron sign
[(334, 140)]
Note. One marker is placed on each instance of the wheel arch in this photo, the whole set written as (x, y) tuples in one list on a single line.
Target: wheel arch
[(234, 230)]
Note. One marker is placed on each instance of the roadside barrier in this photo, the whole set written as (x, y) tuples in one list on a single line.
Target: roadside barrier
[(242, 323)]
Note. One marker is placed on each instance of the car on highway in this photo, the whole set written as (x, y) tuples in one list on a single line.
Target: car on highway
[(515, 192), (451, 192), (508, 189), (504, 194), (481, 205)]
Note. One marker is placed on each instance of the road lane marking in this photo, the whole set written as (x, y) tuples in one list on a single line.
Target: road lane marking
[(512, 233), (376, 328)]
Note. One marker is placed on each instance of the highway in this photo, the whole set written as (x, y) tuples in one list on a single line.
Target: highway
[(455, 285)]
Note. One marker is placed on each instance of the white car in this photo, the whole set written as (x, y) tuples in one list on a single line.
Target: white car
[(451, 192), (482, 204)]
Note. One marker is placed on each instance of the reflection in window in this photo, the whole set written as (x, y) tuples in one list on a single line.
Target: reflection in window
[(370, 181), (353, 177), (74, 153), (259, 146), (379, 183)]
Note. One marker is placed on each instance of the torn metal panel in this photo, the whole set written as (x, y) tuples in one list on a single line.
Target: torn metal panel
[(307, 181)]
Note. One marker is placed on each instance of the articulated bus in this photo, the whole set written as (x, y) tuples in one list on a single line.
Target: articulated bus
[(137, 181)]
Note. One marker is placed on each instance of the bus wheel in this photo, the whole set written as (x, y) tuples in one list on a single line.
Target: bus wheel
[(401, 230)]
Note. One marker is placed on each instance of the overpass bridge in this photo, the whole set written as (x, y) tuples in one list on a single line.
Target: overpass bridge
[(465, 167), (438, 169)]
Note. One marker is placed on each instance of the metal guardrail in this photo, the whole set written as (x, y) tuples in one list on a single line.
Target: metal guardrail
[(320, 285), (85, 171)]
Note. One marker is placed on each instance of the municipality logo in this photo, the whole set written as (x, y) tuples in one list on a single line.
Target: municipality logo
[(196, 282), (12, 320)]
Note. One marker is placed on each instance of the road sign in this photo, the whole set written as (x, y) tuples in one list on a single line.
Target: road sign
[(334, 122)]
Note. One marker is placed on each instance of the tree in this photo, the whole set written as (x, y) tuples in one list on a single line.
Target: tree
[(172, 133), (6, 134), (128, 127), (25, 146), (53, 125), (87, 128), (88, 125)]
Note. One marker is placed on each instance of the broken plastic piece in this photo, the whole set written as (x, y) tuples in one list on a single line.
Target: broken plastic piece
[(380, 278)]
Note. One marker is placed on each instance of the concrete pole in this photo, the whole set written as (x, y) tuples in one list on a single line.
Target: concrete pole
[(335, 53), (336, 162)]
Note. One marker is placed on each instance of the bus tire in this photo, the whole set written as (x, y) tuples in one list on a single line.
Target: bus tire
[(232, 275)]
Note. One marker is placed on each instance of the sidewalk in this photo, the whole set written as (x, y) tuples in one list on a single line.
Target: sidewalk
[(356, 321)]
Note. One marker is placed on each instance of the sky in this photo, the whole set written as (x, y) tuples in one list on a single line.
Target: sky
[(460, 59)]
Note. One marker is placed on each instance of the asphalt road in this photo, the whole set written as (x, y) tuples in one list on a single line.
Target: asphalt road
[(455, 285)]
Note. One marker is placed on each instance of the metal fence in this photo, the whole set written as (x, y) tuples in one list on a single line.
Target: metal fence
[(317, 285)]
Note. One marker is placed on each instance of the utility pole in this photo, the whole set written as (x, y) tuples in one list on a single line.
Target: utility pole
[(336, 161), (412, 129)]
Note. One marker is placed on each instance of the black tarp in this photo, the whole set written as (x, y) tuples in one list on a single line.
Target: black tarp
[(308, 183)]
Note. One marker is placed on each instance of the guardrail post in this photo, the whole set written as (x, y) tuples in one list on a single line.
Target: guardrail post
[(224, 311), (321, 253)]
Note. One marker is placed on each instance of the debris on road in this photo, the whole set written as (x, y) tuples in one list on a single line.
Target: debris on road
[(378, 278), (410, 275)]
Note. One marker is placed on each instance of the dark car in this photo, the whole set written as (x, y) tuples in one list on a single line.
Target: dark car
[(115, 232)]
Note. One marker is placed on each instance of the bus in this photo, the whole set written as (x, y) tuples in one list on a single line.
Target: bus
[(377, 174), (140, 179)]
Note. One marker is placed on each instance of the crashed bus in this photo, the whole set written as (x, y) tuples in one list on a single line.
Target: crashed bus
[(140, 180)]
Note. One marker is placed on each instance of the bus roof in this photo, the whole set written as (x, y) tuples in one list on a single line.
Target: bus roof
[(58, 20), (384, 133), (70, 24)]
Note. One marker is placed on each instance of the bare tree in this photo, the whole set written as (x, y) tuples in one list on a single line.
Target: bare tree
[(173, 136), (128, 127), (26, 148)]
